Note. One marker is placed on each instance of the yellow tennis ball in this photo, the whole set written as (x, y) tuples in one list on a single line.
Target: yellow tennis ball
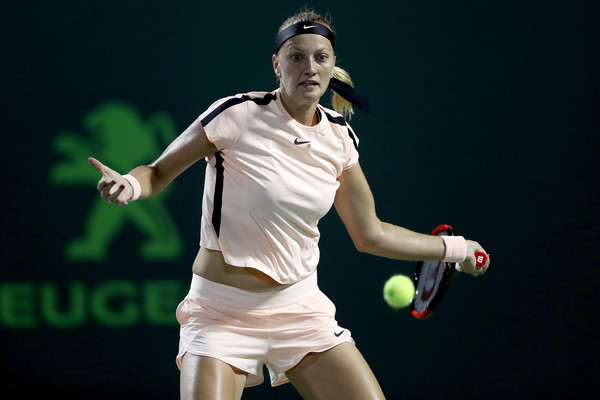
[(399, 291)]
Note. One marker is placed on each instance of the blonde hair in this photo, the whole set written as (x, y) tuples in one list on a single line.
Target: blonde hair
[(339, 104)]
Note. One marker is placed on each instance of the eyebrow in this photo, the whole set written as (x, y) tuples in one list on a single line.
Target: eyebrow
[(291, 47)]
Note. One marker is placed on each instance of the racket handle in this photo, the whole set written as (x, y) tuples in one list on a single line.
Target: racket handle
[(480, 259)]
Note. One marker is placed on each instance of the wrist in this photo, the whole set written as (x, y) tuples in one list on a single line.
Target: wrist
[(135, 186), (456, 249)]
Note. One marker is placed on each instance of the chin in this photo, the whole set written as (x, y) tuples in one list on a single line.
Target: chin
[(312, 95)]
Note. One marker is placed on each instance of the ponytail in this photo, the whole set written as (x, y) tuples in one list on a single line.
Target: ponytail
[(340, 104)]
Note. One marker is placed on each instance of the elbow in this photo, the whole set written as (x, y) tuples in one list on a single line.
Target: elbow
[(362, 247), (367, 241)]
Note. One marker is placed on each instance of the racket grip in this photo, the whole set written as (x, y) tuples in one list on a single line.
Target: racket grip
[(480, 259)]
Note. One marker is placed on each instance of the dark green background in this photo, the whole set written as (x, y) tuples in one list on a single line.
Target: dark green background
[(485, 116)]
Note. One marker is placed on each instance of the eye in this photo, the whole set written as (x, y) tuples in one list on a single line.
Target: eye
[(322, 57), (295, 57)]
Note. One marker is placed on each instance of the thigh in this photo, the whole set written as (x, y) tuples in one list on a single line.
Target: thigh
[(339, 373), (208, 378)]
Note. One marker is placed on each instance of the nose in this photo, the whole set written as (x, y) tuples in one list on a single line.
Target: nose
[(310, 66)]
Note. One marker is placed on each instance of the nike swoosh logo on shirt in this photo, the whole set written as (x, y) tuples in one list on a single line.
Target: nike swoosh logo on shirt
[(297, 142), (338, 334)]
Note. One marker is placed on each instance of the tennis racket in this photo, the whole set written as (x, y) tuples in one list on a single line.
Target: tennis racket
[(432, 278)]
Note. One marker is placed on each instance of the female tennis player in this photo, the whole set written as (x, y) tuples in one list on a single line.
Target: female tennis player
[(276, 163)]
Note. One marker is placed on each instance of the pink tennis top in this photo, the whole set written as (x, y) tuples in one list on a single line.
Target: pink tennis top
[(270, 182)]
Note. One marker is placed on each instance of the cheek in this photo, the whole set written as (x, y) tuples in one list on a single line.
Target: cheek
[(288, 71), (285, 78), (288, 76)]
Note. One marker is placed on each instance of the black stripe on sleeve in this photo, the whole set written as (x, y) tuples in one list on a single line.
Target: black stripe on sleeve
[(353, 137), (341, 121), (218, 197), (262, 101)]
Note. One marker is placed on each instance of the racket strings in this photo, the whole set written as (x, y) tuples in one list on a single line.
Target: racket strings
[(428, 284)]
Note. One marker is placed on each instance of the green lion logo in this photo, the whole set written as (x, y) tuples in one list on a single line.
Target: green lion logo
[(119, 136)]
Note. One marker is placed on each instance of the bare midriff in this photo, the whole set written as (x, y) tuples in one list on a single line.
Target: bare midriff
[(211, 265)]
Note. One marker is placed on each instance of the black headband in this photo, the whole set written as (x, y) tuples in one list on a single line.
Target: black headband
[(357, 98), (300, 28)]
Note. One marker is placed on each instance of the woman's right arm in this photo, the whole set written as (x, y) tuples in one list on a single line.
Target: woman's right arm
[(184, 151)]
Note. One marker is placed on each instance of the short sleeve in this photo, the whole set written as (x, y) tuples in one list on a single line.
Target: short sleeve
[(224, 120), (351, 144)]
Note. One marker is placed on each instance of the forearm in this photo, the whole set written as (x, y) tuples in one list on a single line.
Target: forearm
[(392, 241), (150, 180), (188, 148), (356, 206)]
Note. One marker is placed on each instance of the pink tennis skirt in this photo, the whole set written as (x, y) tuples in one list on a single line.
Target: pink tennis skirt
[(248, 330)]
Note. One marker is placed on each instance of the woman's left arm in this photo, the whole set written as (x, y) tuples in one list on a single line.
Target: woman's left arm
[(356, 206)]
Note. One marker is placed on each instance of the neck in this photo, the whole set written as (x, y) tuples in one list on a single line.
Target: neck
[(303, 113)]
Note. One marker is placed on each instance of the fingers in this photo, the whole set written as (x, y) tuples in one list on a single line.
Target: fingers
[(112, 186), (107, 173), (487, 263), (116, 196), (103, 169), (114, 192), (95, 163), (470, 264)]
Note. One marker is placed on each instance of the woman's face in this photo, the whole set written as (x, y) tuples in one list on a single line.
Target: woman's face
[(304, 66)]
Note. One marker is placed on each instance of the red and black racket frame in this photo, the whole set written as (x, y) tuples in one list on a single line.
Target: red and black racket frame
[(448, 276)]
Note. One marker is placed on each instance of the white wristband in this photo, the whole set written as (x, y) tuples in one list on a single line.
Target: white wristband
[(135, 185), (456, 249)]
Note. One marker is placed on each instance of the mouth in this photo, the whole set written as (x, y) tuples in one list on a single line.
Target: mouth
[(309, 84)]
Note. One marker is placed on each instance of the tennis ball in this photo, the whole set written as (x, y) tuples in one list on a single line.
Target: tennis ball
[(399, 291)]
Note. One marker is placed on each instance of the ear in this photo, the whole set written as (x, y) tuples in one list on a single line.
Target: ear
[(276, 65), (334, 65)]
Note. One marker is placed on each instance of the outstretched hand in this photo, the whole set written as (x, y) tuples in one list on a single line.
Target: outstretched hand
[(112, 186)]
